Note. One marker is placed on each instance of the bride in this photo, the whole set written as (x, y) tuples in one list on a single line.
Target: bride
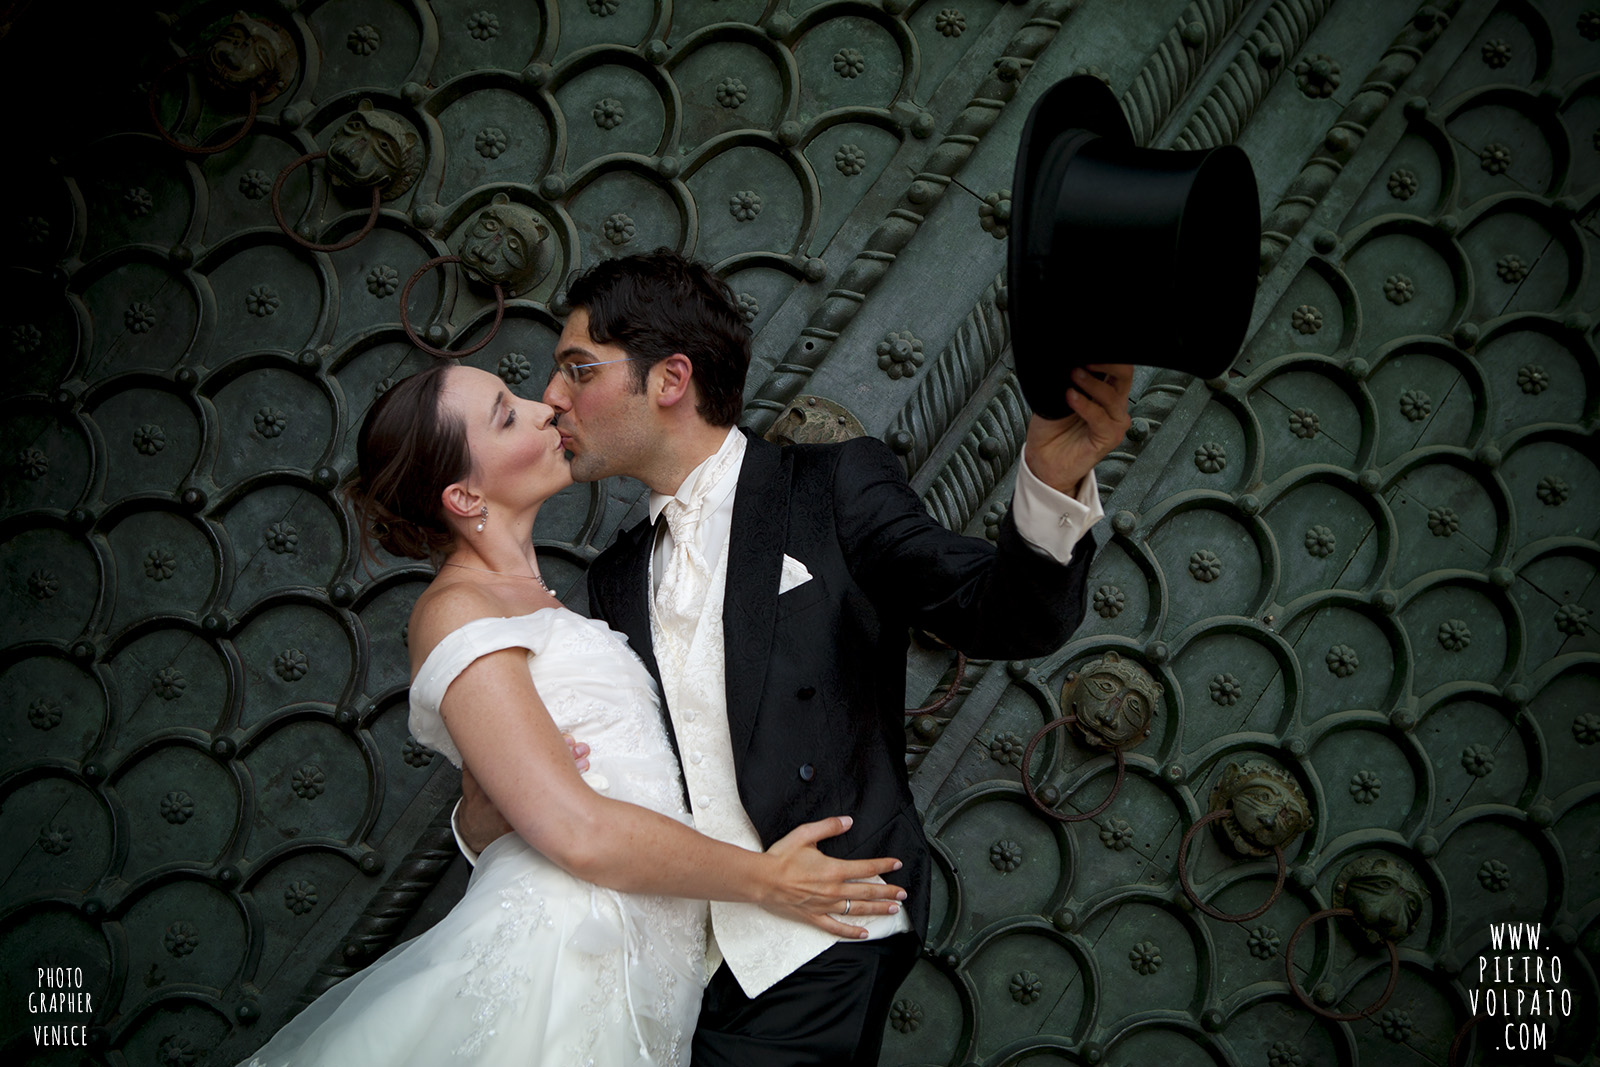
[(581, 937)]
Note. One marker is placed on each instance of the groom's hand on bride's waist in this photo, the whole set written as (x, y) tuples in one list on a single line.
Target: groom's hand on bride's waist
[(478, 821)]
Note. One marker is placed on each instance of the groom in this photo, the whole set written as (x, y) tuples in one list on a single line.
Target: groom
[(771, 594)]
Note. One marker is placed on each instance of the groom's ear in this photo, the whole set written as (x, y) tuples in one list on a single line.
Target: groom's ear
[(672, 379), (460, 501)]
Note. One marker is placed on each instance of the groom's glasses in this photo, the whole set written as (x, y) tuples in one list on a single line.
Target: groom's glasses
[(569, 371)]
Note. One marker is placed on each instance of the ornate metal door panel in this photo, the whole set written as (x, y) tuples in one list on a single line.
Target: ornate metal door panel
[(1354, 576)]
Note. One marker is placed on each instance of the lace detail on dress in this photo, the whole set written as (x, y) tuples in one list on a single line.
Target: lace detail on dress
[(602, 1008), (682, 934), (591, 639), (491, 980), (644, 949)]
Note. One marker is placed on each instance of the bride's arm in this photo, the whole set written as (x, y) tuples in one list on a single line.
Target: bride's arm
[(506, 736)]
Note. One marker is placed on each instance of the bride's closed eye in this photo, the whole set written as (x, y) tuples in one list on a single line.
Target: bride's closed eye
[(511, 415)]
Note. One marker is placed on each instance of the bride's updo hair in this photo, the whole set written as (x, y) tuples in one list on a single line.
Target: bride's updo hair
[(408, 450)]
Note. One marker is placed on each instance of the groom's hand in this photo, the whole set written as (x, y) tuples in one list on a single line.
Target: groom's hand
[(1062, 452), (478, 821)]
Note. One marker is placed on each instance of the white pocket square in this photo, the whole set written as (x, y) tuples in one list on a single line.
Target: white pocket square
[(794, 574)]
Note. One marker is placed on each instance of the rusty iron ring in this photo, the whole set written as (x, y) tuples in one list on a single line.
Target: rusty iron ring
[(1338, 1016), (283, 224), (1459, 1040), (195, 150), (405, 317), (949, 693), (1194, 898), (1027, 783)]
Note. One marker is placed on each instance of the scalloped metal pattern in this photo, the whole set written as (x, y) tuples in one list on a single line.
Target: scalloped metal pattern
[(1367, 557)]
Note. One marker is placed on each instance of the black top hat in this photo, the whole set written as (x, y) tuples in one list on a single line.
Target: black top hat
[(1121, 254)]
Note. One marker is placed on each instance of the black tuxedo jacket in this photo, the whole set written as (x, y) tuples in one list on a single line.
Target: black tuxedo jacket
[(816, 677)]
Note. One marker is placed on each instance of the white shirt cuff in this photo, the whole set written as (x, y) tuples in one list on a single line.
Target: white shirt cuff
[(472, 857), (1049, 519)]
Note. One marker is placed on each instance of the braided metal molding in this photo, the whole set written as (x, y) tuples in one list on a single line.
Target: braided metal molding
[(390, 909), (882, 248), (1233, 100), (1170, 72), (1344, 138)]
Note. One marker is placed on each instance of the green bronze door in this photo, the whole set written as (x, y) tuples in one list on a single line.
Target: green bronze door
[(1336, 704)]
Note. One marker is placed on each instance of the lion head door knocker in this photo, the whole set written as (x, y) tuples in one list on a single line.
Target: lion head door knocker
[(251, 55), (251, 58), (814, 420), (1262, 808), (1257, 809), (506, 247), (373, 152), (1113, 701), (1383, 898), (1110, 704), (375, 149)]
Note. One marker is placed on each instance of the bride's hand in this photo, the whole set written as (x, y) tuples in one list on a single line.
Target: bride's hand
[(814, 888)]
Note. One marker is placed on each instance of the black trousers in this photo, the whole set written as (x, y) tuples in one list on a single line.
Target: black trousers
[(828, 1013)]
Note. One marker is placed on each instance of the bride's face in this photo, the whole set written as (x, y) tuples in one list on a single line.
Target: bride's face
[(515, 448)]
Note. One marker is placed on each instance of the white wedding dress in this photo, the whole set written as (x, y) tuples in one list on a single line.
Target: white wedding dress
[(533, 966)]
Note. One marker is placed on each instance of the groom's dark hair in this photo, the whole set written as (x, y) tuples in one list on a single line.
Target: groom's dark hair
[(657, 303)]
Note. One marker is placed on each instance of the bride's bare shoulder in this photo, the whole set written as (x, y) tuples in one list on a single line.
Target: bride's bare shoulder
[(444, 607)]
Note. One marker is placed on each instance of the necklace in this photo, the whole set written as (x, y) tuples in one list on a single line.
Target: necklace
[(502, 574)]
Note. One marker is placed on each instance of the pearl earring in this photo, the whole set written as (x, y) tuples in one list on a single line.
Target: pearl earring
[(485, 514)]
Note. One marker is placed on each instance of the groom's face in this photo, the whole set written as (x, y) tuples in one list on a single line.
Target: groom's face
[(604, 419)]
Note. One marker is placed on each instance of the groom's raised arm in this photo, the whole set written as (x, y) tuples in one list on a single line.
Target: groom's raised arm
[(1023, 596), (1011, 599)]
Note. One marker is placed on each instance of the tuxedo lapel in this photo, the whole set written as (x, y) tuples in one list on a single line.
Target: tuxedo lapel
[(750, 599), (624, 588)]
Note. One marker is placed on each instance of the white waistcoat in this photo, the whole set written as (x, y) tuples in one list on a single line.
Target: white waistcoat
[(760, 947)]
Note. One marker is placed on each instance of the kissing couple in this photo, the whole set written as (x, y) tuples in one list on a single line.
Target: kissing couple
[(694, 833)]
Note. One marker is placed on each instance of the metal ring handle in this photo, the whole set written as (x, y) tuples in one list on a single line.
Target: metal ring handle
[(195, 150), (1338, 1016), (1027, 783), (949, 693), (405, 316), (1183, 875), (1458, 1042), (283, 224)]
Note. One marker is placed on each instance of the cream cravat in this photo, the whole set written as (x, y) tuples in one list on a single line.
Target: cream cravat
[(682, 591)]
